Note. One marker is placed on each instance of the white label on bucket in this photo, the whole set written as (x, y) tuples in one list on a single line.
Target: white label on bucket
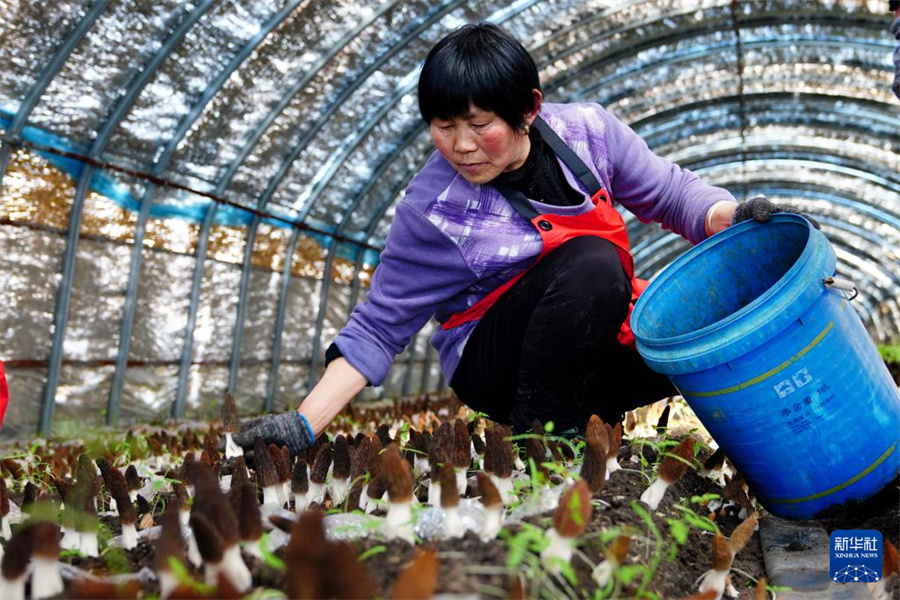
[(802, 377), (784, 388)]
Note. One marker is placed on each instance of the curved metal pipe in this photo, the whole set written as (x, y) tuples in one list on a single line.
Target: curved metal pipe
[(315, 359), (323, 177), (188, 347), (34, 93), (280, 318), (61, 311), (282, 104)]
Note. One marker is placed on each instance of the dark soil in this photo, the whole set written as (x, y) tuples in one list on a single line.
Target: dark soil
[(661, 566), (880, 512), (472, 566)]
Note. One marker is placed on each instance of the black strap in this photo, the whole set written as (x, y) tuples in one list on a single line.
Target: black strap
[(568, 156), (520, 202)]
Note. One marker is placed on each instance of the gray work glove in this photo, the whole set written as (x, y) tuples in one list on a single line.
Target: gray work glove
[(289, 429), (761, 210)]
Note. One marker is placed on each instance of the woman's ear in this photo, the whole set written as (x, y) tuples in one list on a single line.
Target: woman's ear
[(538, 99)]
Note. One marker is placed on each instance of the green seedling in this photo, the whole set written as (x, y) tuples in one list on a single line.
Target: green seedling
[(601, 540), (116, 560), (184, 578), (371, 552), (537, 477), (692, 519), (557, 468), (265, 594), (656, 538), (476, 414), (523, 555), (705, 498), (529, 540), (890, 353), (270, 559), (404, 433)]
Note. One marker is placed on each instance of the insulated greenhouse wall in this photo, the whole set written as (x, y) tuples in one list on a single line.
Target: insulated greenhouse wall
[(36, 205)]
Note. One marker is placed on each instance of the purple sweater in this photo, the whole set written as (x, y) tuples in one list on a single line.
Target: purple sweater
[(452, 241)]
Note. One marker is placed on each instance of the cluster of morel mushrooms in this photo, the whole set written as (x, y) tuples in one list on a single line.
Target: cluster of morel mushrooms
[(222, 519)]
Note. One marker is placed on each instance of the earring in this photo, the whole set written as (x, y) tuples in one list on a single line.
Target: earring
[(525, 130)]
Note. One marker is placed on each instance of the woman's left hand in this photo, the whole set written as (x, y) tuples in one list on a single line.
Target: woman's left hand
[(761, 210), (719, 216)]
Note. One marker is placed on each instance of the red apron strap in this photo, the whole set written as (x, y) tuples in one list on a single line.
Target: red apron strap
[(603, 221), (477, 310), (626, 336), (4, 393)]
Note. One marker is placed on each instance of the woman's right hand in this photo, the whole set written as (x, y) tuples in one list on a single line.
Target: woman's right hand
[(297, 429), (289, 429)]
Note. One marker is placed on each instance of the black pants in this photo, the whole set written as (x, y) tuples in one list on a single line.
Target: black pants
[(548, 349)]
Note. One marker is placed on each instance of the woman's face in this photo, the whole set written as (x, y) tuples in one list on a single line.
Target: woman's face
[(480, 145)]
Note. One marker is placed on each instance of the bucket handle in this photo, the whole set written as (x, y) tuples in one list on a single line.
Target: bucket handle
[(844, 285)]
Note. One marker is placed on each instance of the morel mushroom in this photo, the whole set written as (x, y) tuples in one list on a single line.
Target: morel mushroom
[(46, 579), (168, 549), (671, 468), (399, 522), (14, 566), (340, 473), (493, 507), (569, 522), (267, 473), (230, 426), (453, 527)]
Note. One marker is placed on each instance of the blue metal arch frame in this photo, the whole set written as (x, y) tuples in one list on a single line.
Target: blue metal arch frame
[(295, 89), (848, 165), (141, 78), (187, 349), (221, 79), (688, 56), (280, 316), (159, 167), (46, 77), (322, 119), (729, 24), (264, 198), (846, 169), (768, 106)]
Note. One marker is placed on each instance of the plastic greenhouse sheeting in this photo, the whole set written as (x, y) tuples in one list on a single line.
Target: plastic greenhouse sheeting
[(194, 194)]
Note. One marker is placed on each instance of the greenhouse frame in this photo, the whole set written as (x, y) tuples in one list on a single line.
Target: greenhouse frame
[(194, 194)]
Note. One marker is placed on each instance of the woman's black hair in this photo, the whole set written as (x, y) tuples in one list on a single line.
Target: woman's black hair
[(478, 64)]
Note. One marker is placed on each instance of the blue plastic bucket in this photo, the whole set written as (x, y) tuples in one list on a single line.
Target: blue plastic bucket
[(776, 365)]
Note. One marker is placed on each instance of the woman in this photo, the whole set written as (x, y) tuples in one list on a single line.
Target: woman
[(509, 238)]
